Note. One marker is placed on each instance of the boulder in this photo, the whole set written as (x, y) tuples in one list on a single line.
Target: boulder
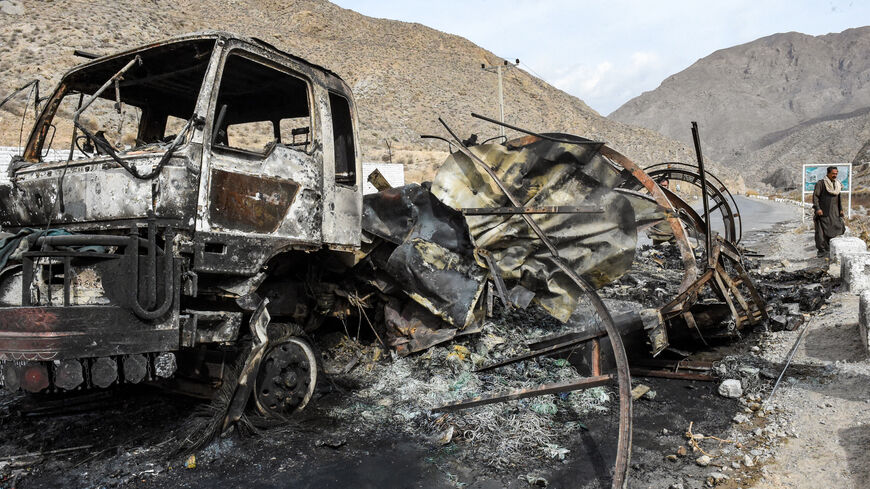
[(842, 245), (731, 388), (864, 319), (855, 272)]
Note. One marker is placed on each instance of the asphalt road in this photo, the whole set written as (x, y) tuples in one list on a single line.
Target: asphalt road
[(756, 214)]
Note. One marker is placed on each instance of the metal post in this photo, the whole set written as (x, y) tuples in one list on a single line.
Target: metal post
[(803, 193), (708, 234), (851, 184), (500, 99)]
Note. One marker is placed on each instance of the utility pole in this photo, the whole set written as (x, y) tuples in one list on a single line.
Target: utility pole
[(499, 69)]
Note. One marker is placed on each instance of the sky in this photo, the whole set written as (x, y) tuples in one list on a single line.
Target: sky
[(607, 53)]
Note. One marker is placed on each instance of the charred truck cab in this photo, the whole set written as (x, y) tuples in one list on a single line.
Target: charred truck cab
[(212, 186)]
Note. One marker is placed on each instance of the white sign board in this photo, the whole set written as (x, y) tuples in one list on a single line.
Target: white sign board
[(394, 173)]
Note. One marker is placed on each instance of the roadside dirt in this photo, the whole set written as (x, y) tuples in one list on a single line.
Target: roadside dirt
[(826, 392)]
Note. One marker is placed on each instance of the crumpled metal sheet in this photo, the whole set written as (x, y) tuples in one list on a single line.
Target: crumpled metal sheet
[(427, 255), (411, 211), (540, 172)]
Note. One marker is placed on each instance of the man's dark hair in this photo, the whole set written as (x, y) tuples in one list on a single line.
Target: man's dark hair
[(830, 169)]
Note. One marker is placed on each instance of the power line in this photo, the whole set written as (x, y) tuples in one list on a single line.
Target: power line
[(536, 74)]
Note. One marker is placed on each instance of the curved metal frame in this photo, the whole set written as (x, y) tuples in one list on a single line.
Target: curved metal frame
[(719, 192), (690, 266), (623, 374)]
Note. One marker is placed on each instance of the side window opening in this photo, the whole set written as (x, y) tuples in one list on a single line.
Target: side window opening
[(264, 107), (342, 138)]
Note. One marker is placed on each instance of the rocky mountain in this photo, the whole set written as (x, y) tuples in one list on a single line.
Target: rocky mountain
[(775, 102), (404, 75)]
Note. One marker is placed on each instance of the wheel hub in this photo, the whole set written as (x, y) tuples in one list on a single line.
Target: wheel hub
[(286, 379)]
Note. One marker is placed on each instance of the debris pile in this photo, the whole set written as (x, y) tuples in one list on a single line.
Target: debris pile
[(654, 277), (791, 295), (401, 392)]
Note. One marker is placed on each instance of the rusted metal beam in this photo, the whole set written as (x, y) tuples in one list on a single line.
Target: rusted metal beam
[(596, 357), (669, 374), (696, 137), (676, 306), (557, 348), (516, 394), (549, 209), (674, 365)]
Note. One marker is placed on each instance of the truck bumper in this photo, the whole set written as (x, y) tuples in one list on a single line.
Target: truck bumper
[(60, 333)]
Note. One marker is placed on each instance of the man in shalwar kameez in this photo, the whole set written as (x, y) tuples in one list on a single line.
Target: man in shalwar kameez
[(828, 209)]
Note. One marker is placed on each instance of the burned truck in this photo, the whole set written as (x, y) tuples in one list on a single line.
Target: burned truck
[(207, 217), (212, 183)]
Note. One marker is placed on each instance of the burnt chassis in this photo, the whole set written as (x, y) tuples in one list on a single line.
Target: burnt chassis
[(176, 277)]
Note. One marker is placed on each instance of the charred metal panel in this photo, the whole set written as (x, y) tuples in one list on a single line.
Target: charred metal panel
[(98, 190), (233, 254), (59, 333), (342, 203), (599, 246), (249, 203), (283, 194), (428, 256), (215, 326), (400, 213), (446, 283)]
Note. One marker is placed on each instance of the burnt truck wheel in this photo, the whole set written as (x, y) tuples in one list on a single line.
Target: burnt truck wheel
[(285, 382)]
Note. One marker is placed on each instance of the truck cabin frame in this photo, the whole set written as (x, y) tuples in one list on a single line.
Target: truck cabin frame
[(205, 173)]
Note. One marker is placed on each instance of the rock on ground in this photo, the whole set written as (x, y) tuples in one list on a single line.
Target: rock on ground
[(843, 244), (855, 271), (864, 319), (731, 388)]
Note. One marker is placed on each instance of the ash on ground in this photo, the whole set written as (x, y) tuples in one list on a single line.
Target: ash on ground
[(653, 279), (402, 391)]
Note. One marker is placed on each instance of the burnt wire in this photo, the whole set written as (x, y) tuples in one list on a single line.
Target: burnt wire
[(35, 84), (195, 120), (34, 90)]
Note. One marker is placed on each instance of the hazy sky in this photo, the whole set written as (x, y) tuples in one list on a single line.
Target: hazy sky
[(609, 52)]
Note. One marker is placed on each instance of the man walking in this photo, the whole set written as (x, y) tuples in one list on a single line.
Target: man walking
[(828, 210)]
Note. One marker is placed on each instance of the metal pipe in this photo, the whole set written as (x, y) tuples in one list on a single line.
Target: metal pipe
[(105, 86), (580, 141), (708, 235), (546, 209), (788, 361)]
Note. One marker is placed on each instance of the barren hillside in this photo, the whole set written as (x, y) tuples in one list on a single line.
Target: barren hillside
[(404, 75), (784, 99)]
